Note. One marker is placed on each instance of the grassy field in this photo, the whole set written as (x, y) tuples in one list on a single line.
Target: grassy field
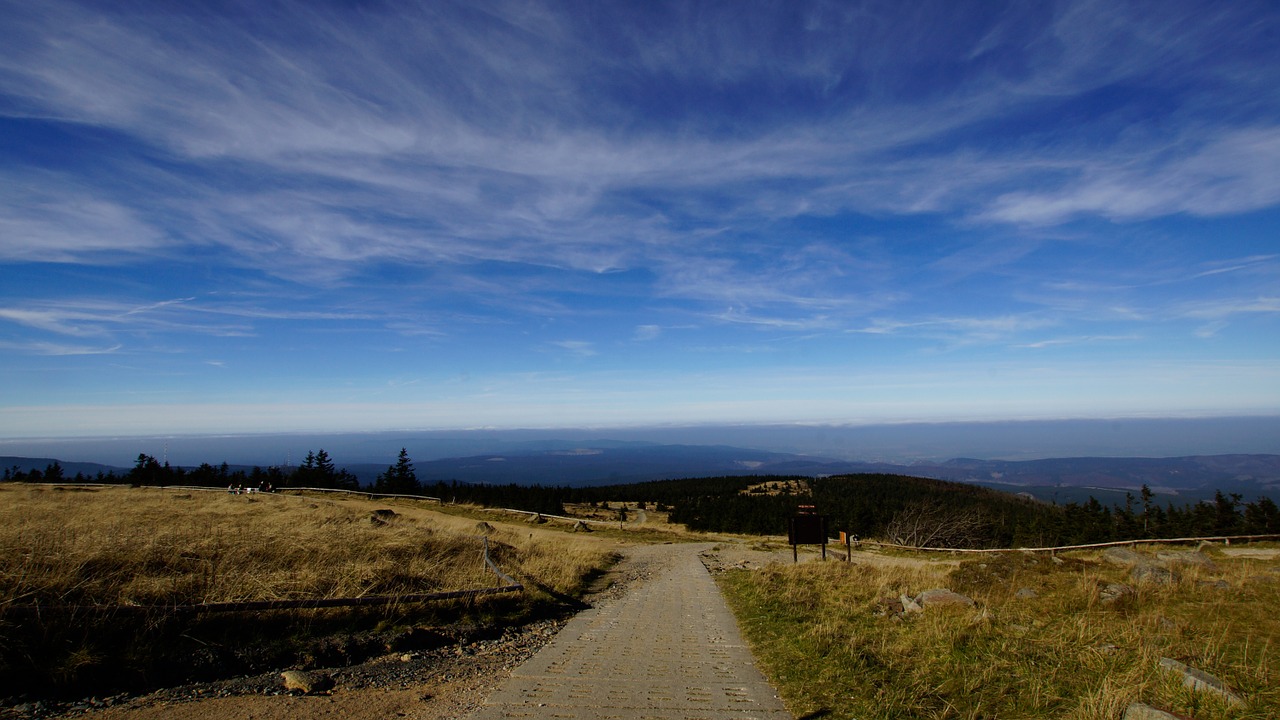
[(87, 557), (1058, 649)]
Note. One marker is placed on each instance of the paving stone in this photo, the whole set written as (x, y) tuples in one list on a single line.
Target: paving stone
[(667, 650)]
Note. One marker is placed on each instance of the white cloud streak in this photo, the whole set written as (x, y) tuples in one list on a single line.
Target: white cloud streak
[(313, 146)]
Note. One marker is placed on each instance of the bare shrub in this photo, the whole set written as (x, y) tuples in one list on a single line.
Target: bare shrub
[(932, 524)]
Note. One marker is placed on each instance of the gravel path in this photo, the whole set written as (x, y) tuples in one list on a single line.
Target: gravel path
[(667, 649)]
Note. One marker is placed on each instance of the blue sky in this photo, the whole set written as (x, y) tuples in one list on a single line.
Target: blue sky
[(243, 217)]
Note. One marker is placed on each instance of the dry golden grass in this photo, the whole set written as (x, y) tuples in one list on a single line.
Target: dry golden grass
[(79, 555), (820, 630), (147, 547)]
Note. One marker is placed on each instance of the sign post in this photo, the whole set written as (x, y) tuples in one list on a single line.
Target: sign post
[(807, 527)]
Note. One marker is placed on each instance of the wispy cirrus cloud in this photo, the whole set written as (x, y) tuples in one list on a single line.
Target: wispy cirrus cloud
[(1078, 340), (581, 348), (50, 349), (1233, 173), (271, 186), (383, 106), (1229, 307), (959, 329)]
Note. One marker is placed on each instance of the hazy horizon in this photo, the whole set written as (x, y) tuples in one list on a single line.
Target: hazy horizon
[(897, 443)]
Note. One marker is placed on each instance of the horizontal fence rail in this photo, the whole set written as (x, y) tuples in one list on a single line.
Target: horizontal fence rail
[(557, 517), (1116, 543)]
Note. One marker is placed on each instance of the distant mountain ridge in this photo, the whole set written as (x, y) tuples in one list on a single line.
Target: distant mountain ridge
[(1193, 477), (604, 462)]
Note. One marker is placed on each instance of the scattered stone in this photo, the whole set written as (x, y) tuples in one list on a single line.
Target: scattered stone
[(909, 604), (891, 608), (1113, 592), (1201, 681), (1026, 593), (581, 527), (1215, 584), (485, 528), (943, 596), (536, 520), (1057, 560), (1124, 556), (418, 638), (1151, 574), (1193, 559), (1139, 711), (305, 682), (382, 516)]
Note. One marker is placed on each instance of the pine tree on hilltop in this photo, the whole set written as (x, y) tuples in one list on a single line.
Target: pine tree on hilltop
[(318, 471), (399, 479)]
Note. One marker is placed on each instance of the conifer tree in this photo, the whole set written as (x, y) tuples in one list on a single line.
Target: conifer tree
[(399, 479)]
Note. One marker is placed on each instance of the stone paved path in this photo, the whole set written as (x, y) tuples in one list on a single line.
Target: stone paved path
[(668, 649)]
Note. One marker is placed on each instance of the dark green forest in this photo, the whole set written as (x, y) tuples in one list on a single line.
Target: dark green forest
[(898, 508), (935, 513)]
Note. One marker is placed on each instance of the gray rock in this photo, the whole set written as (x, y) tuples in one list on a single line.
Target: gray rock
[(1138, 711), (581, 527), (1201, 681), (909, 605), (1124, 556), (1026, 593), (942, 596), (1151, 574), (1191, 559), (484, 528), (1113, 592), (306, 682), (892, 608)]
